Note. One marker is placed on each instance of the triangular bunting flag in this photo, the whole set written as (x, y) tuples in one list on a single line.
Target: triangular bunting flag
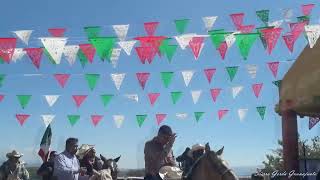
[(195, 96), (7, 46), (313, 121), (146, 53), (252, 70), (121, 31), (104, 46), (78, 99), (261, 110), (263, 16), (170, 51), (223, 49), (242, 113), (95, 119), (209, 73), (256, 89), (127, 46), (153, 97), (232, 71), (166, 78), (151, 27), (1, 97), (236, 90), (92, 80), (198, 115), (142, 78), (209, 21), (73, 119), (237, 19), (271, 36), (289, 39), (18, 54), (175, 96), (141, 119), (287, 14), (133, 97), (183, 40), (118, 79), (230, 39), (70, 53), (181, 116), (160, 118), (273, 66), (313, 33), (57, 32), (245, 42), (47, 119), (92, 31), (187, 76), (246, 29), (304, 19), (62, 79), (88, 51), (118, 120), (83, 59), (55, 47), (196, 44), (23, 35), (22, 118), (275, 24), (277, 83), (106, 98), (307, 8), (222, 113), (24, 100), (2, 77), (115, 56), (217, 37), (35, 55), (181, 25), (215, 93), (51, 99)]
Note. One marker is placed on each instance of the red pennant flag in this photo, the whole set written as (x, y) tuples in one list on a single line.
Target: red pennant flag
[(215, 93), (62, 79), (160, 118), (1, 97), (271, 36), (196, 45), (142, 78), (237, 19), (246, 29), (297, 28), (22, 118), (96, 119), (222, 112), (153, 97), (146, 53), (35, 55), (223, 49), (151, 27), (78, 99), (289, 39), (306, 9), (256, 89), (151, 41), (88, 50), (209, 73), (57, 32), (273, 66), (7, 46), (313, 121)]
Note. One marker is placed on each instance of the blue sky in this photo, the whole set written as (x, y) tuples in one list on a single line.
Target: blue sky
[(246, 143)]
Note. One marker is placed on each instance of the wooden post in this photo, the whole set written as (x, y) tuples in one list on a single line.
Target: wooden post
[(290, 141)]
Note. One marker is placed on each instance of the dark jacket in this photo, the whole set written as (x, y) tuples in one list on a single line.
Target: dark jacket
[(46, 170)]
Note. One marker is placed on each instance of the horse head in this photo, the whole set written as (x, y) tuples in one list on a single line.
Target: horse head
[(112, 165)]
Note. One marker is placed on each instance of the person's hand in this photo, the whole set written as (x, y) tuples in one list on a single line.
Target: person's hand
[(172, 138)]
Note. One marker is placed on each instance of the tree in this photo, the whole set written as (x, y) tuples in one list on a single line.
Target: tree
[(275, 159)]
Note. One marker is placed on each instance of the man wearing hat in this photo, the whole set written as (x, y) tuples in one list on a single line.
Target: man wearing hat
[(13, 168), (88, 159), (158, 152)]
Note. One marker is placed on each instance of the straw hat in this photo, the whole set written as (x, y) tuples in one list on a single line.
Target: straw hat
[(196, 147), (84, 149), (15, 154)]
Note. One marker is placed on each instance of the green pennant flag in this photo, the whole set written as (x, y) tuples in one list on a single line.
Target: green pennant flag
[(2, 77), (24, 100), (245, 42), (217, 37), (304, 18), (175, 96), (263, 16), (106, 98), (170, 51), (73, 119), (141, 119), (104, 46), (92, 80), (82, 57), (163, 46), (1, 61), (181, 25), (198, 115), (232, 71), (92, 31), (277, 83), (263, 40), (262, 111), (166, 78)]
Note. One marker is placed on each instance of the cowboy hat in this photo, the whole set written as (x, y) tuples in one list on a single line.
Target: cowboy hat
[(194, 148), (15, 154), (84, 149)]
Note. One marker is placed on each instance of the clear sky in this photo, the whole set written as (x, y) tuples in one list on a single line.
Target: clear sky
[(246, 143)]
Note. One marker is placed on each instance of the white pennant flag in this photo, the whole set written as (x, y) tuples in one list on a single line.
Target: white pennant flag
[(231, 38), (313, 33), (252, 70), (242, 113), (118, 120), (70, 53), (127, 46), (196, 95), (181, 115), (209, 21), (55, 47), (276, 24), (18, 54), (121, 31), (47, 119), (236, 90), (115, 56), (187, 76), (287, 14), (24, 35), (51, 99), (118, 79), (183, 40), (133, 97)]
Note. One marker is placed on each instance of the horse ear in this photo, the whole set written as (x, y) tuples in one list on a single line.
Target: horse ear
[(117, 159), (103, 158), (207, 147), (220, 151)]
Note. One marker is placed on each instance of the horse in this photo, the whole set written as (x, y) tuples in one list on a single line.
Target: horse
[(109, 169), (209, 166)]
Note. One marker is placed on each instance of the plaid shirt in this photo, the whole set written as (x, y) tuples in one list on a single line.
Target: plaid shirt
[(20, 172)]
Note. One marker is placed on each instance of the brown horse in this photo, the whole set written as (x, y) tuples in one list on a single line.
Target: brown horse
[(210, 166)]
